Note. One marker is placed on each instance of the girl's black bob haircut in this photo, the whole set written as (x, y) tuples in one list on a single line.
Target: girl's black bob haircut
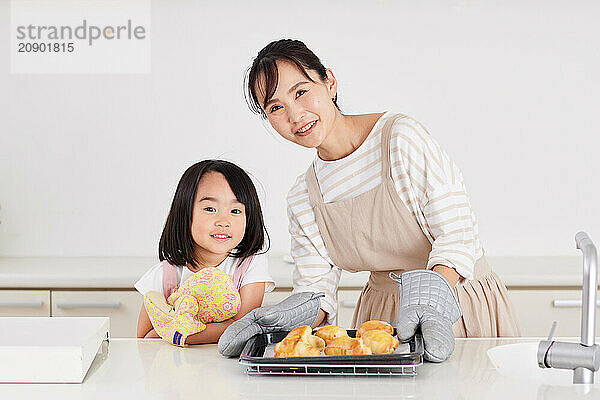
[(176, 242), (265, 65)]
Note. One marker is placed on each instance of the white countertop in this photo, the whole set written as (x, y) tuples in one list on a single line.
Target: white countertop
[(153, 369), (122, 272)]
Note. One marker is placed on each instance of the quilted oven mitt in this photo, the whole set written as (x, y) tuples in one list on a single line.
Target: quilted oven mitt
[(427, 301), (173, 323), (207, 296), (296, 310)]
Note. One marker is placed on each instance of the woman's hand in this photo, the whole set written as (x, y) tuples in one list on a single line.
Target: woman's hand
[(320, 318), (449, 273), (297, 309), (428, 302)]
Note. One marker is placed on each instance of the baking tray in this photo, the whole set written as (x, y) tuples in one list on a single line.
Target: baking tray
[(258, 358)]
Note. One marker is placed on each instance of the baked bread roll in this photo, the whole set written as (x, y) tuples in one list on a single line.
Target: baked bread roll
[(300, 343), (329, 333), (347, 346), (380, 342), (374, 324)]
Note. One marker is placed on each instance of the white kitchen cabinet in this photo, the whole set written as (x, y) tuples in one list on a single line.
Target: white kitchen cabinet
[(347, 300), (122, 307), (24, 303), (537, 308)]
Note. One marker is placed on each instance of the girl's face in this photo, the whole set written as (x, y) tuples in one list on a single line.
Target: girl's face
[(218, 219), (301, 111)]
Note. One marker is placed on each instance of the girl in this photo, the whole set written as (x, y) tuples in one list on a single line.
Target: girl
[(381, 195), (215, 221)]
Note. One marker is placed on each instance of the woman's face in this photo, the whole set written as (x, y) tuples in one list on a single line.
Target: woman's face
[(218, 219), (301, 111)]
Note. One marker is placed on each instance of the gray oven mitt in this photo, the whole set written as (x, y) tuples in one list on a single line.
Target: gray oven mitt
[(428, 301), (296, 310)]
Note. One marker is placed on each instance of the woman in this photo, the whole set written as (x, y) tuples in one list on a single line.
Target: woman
[(381, 195)]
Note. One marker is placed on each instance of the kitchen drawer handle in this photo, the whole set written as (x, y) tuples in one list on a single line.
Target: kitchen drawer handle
[(570, 303), (22, 304), (89, 304), (349, 303)]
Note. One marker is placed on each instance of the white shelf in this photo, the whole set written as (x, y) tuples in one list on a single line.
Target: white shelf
[(123, 272), (49, 349)]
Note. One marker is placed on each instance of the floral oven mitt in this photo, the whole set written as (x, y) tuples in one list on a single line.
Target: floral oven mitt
[(207, 296)]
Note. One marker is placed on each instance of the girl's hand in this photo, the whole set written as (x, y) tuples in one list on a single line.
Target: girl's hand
[(251, 296), (152, 335)]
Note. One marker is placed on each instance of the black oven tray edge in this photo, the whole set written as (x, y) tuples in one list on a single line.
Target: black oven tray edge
[(255, 347)]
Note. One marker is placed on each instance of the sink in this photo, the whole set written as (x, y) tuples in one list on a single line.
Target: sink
[(519, 361)]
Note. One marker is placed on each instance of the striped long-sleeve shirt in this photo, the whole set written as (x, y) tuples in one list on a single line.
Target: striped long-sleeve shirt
[(429, 184)]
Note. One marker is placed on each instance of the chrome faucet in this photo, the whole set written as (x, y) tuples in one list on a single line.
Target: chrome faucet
[(583, 358)]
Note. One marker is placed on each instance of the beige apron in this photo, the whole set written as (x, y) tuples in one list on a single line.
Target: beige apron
[(376, 232)]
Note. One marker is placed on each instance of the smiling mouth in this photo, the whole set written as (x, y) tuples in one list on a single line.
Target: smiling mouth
[(305, 130), (220, 236)]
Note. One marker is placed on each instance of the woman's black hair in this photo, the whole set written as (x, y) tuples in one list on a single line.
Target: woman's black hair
[(176, 242), (265, 65)]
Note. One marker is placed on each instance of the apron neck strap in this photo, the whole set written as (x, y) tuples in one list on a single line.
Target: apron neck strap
[(386, 137), (314, 191)]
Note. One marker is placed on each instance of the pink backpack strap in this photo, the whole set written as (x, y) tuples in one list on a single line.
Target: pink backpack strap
[(169, 278), (240, 270)]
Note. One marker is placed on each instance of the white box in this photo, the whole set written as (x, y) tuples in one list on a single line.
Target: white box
[(49, 349)]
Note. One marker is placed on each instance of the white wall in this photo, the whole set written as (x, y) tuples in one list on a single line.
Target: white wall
[(89, 163)]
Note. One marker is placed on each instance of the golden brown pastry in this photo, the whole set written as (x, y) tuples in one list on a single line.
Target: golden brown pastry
[(329, 333), (346, 346), (374, 324), (380, 342), (300, 343)]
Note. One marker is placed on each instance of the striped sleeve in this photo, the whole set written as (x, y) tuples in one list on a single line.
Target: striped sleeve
[(314, 271), (444, 211)]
